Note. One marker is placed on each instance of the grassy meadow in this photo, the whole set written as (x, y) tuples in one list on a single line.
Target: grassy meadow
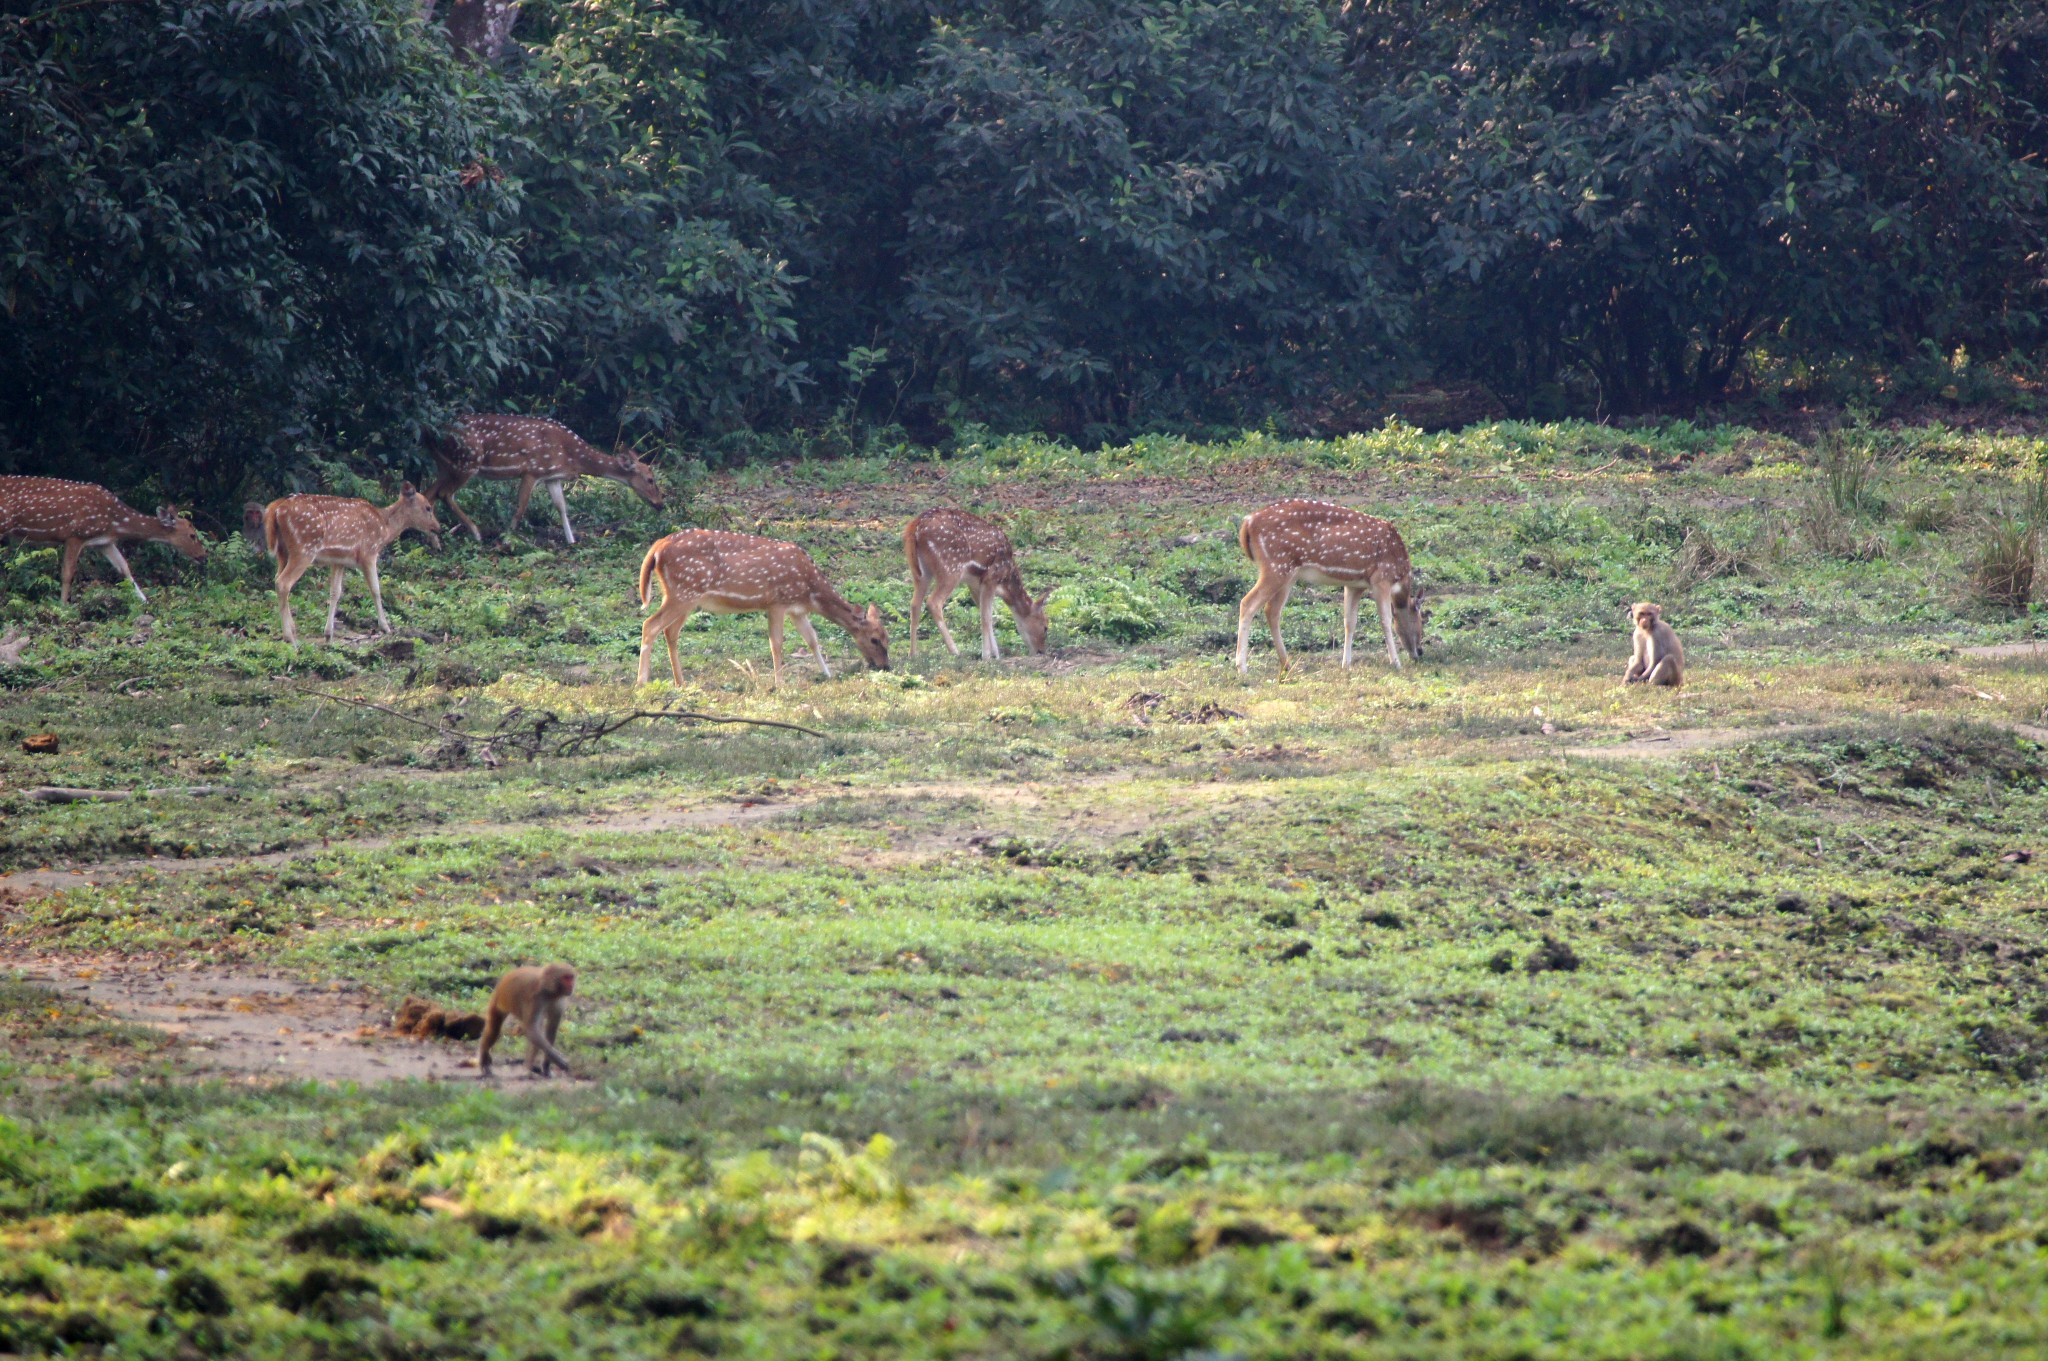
[(1100, 1004)]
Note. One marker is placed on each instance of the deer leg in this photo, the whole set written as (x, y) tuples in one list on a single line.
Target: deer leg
[(1275, 603), (916, 603), (519, 504), (1246, 608), (943, 587), (68, 568), (775, 639), (1385, 596), (289, 570), (803, 626), (112, 553), (985, 598), (337, 577), (665, 622), (1351, 595), (377, 594), (451, 482), (562, 505)]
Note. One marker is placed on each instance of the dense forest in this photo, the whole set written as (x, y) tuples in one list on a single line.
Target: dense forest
[(242, 235)]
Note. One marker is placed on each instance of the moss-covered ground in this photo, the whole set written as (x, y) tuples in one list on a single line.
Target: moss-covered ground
[(1099, 1004)]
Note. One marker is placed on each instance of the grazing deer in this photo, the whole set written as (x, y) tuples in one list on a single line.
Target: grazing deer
[(1328, 545), (338, 532), (945, 547), (80, 515), (536, 452), (727, 573)]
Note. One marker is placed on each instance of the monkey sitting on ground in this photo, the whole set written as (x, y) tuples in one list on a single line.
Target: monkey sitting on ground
[(533, 996), (1657, 658)]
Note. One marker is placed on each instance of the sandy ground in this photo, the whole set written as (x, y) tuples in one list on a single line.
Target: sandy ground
[(249, 1024), (1997, 651)]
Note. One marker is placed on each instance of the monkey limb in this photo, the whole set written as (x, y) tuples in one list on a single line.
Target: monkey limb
[(1657, 658), (535, 997)]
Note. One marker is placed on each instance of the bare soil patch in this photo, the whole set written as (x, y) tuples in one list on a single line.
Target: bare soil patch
[(248, 1024), (1654, 746), (1998, 651)]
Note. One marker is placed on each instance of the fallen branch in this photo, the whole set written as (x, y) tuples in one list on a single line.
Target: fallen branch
[(531, 734)]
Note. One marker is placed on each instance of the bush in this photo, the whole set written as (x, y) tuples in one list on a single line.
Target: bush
[(1106, 608), (2004, 571)]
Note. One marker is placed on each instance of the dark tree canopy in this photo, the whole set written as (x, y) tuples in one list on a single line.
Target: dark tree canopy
[(227, 225), (238, 230)]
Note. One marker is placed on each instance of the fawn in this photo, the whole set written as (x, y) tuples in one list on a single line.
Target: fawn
[(945, 547), (339, 532)]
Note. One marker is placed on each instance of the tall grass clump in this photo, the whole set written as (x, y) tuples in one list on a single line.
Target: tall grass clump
[(2006, 566), (1852, 472)]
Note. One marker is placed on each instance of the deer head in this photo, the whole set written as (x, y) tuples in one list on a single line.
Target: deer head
[(870, 637), (1409, 615), (417, 512), (635, 473), (1031, 619), (180, 534)]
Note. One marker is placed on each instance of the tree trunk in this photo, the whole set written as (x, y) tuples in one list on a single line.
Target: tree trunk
[(479, 28)]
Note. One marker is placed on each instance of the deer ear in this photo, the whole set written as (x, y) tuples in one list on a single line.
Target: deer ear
[(1044, 596), (875, 615), (167, 515), (408, 489)]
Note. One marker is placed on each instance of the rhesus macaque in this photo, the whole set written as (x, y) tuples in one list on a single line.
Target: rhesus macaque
[(1657, 659), (533, 996)]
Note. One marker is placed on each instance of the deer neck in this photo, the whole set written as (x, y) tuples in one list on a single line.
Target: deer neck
[(391, 525), (1009, 584), (588, 461), (834, 606)]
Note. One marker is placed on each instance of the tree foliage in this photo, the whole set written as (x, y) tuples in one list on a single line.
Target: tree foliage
[(229, 224), (233, 229), (648, 247)]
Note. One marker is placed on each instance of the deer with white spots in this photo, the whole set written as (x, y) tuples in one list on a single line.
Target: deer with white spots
[(535, 452), (1326, 544), (81, 515), (946, 547), (339, 532), (726, 573)]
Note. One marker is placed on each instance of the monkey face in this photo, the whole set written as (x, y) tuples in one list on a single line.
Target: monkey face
[(558, 980), (1646, 615)]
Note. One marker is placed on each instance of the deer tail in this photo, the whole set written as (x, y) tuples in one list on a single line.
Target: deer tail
[(270, 530), (647, 570), (1244, 538)]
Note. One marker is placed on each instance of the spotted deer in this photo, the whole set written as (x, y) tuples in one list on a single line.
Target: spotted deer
[(1326, 544), (339, 532), (535, 452), (81, 515), (726, 573), (946, 547)]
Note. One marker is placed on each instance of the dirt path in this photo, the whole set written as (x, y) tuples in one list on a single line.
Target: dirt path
[(25, 885), (2002, 651), (1658, 746), (248, 1024)]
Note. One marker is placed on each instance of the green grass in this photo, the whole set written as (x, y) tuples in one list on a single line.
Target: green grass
[(1096, 1005)]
